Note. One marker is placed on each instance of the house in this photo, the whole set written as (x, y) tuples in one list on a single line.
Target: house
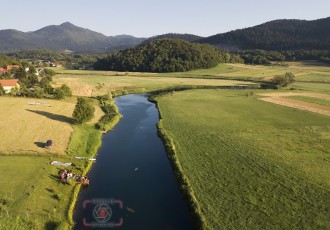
[(9, 85), (9, 67)]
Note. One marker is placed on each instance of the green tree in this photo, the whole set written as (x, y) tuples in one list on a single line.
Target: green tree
[(59, 94), (284, 80), (66, 90), (83, 111), (2, 91), (49, 72)]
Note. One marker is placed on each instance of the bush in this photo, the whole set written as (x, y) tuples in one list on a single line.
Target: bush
[(59, 94), (49, 72), (66, 90), (83, 111), (284, 80), (2, 91)]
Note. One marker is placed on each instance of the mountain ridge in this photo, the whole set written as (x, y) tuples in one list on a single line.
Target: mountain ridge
[(65, 36), (281, 34)]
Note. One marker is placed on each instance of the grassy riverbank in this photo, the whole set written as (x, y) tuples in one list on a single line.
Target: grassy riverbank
[(31, 196), (248, 163)]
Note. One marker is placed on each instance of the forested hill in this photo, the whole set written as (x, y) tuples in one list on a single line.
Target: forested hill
[(164, 55), (186, 37), (277, 35)]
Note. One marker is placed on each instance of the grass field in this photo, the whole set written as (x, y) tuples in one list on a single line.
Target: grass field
[(98, 84), (304, 71), (310, 76), (312, 100), (251, 164), (31, 196), (25, 128)]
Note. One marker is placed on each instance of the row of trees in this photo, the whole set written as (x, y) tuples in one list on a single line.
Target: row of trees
[(265, 57), (68, 60), (165, 55)]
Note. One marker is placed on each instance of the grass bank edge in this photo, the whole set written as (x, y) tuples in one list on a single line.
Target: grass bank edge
[(89, 150), (183, 181)]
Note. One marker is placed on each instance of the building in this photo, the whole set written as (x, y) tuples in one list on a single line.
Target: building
[(9, 85), (9, 67)]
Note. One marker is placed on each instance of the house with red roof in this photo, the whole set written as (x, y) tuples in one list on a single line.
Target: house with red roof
[(8, 68), (9, 84)]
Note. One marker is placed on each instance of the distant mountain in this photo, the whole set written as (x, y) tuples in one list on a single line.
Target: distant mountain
[(186, 37), (64, 37), (277, 35)]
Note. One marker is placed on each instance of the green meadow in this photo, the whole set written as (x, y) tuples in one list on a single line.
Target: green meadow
[(251, 164)]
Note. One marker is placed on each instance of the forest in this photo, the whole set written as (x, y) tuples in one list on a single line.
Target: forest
[(165, 55)]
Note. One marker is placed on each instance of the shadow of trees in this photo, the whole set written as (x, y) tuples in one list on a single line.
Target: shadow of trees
[(40, 144), (56, 117)]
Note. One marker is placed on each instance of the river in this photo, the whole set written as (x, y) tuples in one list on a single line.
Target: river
[(132, 183)]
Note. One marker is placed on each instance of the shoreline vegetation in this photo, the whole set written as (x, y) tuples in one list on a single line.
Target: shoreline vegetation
[(92, 144), (183, 183)]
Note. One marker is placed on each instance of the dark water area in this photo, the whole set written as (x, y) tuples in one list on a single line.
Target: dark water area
[(132, 182)]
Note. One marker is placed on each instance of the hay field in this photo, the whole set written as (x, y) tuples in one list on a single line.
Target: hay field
[(303, 101), (92, 83), (24, 128)]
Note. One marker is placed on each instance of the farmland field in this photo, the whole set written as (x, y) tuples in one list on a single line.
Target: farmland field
[(25, 127), (98, 84), (31, 196), (310, 71), (251, 164), (310, 76)]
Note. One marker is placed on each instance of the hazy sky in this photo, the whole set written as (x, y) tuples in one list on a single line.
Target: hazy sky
[(145, 18)]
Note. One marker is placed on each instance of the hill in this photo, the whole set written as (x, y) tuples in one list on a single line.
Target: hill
[(186, 37), (164, 55), (64, 37), (277, 35)]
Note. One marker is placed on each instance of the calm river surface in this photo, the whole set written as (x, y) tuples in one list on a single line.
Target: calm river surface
[(132, 182)]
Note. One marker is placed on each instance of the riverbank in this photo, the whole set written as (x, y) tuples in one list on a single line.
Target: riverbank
[(182, 180), (86, 141), (132, 165), (241, 155)]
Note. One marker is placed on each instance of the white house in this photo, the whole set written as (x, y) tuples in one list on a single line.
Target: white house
[(9, 85)]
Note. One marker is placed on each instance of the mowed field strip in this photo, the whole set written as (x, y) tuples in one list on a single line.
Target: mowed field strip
[(24, 127), (283, 99)]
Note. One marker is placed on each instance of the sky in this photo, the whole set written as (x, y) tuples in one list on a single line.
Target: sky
[(146, 18)]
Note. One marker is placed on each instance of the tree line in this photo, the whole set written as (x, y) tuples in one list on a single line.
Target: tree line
[(264, 57)]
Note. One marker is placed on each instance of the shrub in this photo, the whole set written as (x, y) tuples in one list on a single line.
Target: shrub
[(49, 72), (83, 111), (2, 91), (284, 80), (66, 90), (59, 94)]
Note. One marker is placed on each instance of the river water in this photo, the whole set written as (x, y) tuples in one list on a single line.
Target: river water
[(132, 182)]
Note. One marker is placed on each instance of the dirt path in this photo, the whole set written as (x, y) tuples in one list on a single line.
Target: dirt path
[(281, 99)]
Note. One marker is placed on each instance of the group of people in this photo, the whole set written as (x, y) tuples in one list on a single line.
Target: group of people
[(65, 175)]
